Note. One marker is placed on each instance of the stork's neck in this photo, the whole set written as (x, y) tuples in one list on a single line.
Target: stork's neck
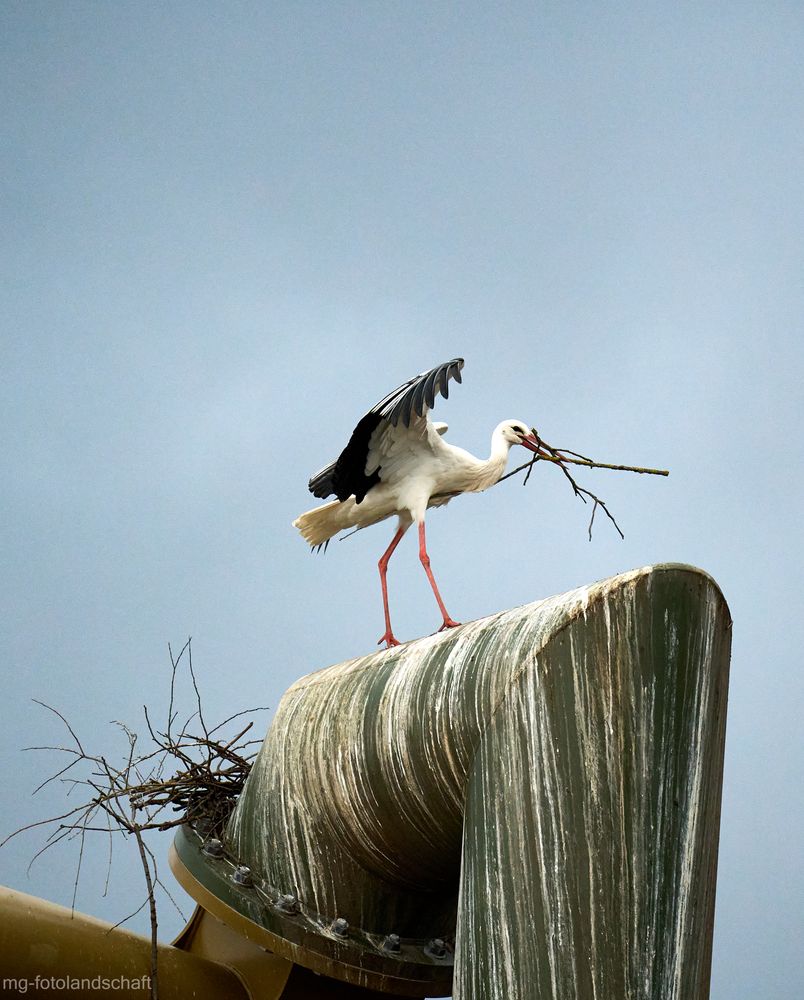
[(489, 472)]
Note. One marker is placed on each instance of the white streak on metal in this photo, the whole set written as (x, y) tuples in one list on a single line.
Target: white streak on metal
[(364, 775)]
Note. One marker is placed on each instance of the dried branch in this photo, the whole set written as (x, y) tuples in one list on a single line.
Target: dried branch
[(563, 457), (581, 460)]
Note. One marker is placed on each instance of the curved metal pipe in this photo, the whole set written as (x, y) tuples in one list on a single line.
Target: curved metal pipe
[(558, 765)]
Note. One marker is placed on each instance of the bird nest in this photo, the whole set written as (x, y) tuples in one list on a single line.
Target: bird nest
[(185, 772)]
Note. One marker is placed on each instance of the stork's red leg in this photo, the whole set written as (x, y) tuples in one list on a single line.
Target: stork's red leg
[(389, 638), (425, 561)]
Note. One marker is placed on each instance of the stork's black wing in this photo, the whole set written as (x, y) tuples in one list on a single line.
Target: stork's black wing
[(346, 476)]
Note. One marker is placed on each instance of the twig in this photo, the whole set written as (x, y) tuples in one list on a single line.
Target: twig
[(40, 822), (562, 457), (195, 688), (152, 908), (109, 861), (125, 920), (66, 723), (83, 833), (58, 774), (585, 462), (237, 715)]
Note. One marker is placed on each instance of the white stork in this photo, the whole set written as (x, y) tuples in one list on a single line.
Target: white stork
[(397, 462)]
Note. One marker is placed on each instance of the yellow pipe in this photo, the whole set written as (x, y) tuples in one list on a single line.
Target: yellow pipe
[(49, 950)]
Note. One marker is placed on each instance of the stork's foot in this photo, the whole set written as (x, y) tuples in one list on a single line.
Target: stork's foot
[(448, 623), (389, 639)]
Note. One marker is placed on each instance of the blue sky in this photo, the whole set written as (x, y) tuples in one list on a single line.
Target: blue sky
[(230, 229)]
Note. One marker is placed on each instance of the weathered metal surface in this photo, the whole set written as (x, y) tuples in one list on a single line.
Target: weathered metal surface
[(593, 804), (560, 762), (292, 934)]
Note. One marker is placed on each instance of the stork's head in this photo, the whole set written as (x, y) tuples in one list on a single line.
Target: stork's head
[(518, 432)]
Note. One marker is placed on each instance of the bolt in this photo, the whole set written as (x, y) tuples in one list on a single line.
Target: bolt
[(392, 943), (288, 903), (436, 948), (340, 927), (213, 848), (242, 876)]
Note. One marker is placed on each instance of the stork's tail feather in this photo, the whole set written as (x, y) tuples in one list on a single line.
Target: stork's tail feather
[(321, 523)]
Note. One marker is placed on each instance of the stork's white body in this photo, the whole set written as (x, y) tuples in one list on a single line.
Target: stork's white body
[(419, 469)]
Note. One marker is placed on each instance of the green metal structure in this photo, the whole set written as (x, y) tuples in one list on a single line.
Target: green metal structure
[(523, 808), (539, 790)]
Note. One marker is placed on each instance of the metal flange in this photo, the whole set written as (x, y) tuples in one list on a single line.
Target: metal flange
[(263, 915)]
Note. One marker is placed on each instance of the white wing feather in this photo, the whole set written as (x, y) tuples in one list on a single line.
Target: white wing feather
[(400, 451)]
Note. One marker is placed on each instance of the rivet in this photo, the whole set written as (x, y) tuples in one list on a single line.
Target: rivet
[(392, 943), (242, 876), (212, 848), (436, 948), (340, 927), (287, 903)]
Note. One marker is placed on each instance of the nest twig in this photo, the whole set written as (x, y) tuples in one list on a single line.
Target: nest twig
[(178, 776)]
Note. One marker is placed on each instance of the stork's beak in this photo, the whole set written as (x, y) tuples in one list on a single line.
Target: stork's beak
[(532, 443)]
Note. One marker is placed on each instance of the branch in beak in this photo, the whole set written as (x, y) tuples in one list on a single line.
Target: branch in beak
[(532, 443)]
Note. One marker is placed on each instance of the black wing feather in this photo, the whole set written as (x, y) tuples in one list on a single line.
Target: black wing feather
[(346, 476), (350, 477), (430, 389), (403, 402), (417, 397), (321, 483)]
